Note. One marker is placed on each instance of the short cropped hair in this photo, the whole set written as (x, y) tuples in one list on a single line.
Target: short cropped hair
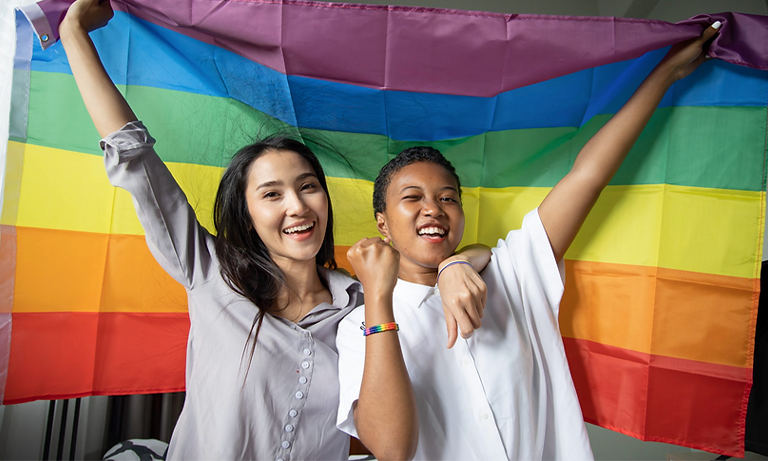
[(403, 159)]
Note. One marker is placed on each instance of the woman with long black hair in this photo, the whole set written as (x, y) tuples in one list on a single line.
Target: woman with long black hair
[(264, 300)]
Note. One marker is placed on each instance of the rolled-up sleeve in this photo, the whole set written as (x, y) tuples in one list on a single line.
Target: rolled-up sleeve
[(45, 17), (177, 241)]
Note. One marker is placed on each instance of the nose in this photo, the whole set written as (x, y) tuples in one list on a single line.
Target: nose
[(295, 205), (431, 207)]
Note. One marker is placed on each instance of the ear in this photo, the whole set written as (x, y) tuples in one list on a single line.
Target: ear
[(381, 224)]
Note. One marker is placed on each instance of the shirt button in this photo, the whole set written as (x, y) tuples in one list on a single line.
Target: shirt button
[(299, 395), (303, 379), (293, 413), (286, 444), (484, 415), (465, 362), (307, 352), (304, 334), (288, 428), (279, 459), (305, 365)]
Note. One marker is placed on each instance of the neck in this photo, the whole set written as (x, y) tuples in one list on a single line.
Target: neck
[(301, 277), (414, 273), (303, 289)]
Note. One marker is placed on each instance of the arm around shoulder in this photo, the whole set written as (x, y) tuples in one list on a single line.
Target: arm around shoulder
[(463, 291)]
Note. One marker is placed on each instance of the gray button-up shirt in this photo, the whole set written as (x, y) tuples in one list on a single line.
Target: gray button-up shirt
[(284, 407)]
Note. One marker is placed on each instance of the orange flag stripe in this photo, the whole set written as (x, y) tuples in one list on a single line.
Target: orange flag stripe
[(607, 303), (661, 311)]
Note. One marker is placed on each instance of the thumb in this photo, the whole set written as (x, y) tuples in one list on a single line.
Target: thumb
[(453, 329), (710, 31)]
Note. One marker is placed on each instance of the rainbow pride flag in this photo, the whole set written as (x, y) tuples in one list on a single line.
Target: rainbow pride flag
[(662, 282)]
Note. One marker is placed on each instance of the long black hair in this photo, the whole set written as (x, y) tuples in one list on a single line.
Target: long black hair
[(245, 263)]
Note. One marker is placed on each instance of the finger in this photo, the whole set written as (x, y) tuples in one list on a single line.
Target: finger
[(354, 248), (711, 31), (369, 242), (473, 312), (484, 300), (482, 294), (466, 327), (450, 323)]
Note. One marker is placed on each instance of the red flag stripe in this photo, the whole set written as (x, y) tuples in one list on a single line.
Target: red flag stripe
[(57, 355)]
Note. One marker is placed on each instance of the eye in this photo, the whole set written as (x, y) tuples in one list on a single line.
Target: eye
[(448, 199), (412, 197), (271, 195), (308, 186)]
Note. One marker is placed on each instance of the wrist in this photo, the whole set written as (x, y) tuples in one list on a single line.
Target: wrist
[(665, 73), (378, 313), (448, 264), (382, 297), (452, 259), (70, 27)]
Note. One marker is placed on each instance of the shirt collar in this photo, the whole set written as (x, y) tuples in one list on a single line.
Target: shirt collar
[(343, 288), (408, 292)]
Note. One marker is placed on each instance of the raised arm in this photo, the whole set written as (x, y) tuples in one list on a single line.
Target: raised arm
[(386, 418), (106, 106), (175, 238), (566, 207)]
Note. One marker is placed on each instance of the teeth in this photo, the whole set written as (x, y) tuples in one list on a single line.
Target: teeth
[(294, 229), (431, 231)]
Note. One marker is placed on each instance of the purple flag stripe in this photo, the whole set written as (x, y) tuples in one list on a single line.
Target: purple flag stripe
[(428, 49)]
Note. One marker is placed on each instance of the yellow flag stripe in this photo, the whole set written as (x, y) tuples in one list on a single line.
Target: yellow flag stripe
[(715, 231)]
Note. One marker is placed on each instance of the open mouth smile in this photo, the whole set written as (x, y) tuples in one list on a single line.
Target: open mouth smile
[(433, 233), (300, 229)]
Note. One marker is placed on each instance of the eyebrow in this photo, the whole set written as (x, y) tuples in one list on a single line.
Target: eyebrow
[(451, 188), (270, 184), (409, 187), (277, 182)]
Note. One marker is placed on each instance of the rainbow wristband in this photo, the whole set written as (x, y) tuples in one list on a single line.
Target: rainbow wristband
[(379, 328), (458, 261)]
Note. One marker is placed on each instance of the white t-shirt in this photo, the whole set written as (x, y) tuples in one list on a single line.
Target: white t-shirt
[(505, 393)]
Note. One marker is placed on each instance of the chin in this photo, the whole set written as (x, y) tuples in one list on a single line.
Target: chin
[(426, 256), (300, 256), (431, 261)]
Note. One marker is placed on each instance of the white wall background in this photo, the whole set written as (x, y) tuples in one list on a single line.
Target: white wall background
[(22, 426)]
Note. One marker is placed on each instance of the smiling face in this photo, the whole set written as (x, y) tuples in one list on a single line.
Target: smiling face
[(288, 206), (423, 218)]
